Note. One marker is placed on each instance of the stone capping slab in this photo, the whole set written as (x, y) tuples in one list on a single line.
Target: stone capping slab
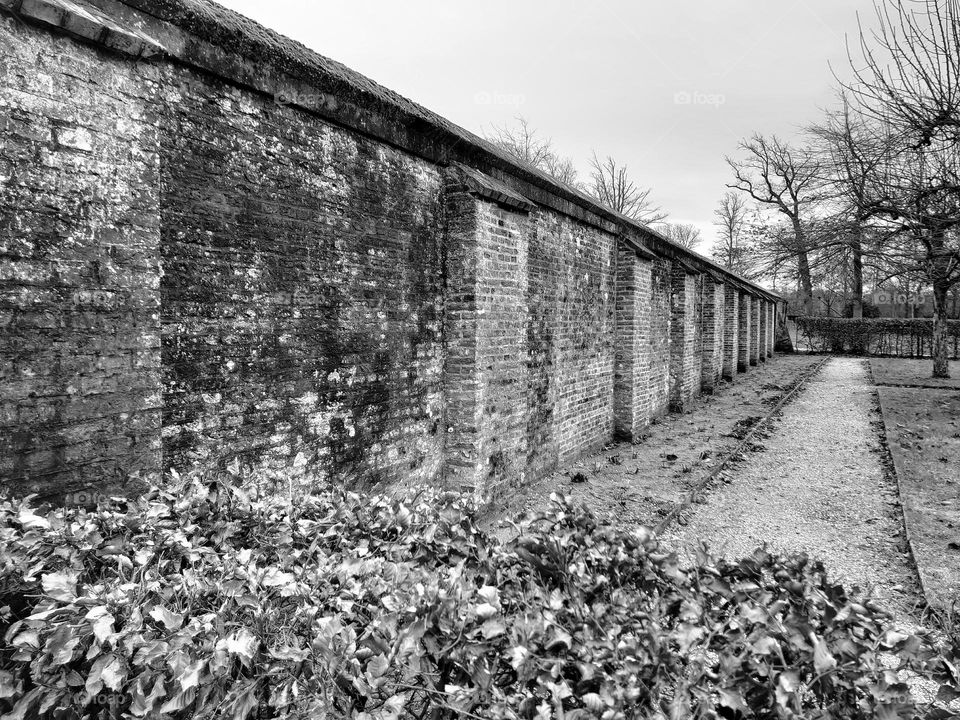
[(715, 276), (643, 252), (85, 23), (487, 187), (688, 267)]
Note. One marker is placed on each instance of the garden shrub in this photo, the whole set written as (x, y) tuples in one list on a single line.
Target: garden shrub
[(200, 600), (875, 336)]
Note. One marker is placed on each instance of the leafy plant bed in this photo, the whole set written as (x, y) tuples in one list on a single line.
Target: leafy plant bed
[(896, 371), (923, 434), (202, 601)]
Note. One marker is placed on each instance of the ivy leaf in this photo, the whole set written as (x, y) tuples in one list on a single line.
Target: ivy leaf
[(733, 700), (787, 685), (276, 578), (823, 660), (7, 686), (60, 586), (493, 628), (102, 622), (190, 676), (32, 521), (144, 704), (112, 674), (179, 701), (485, 610), (27, 640), (241, 642), (245, 701), (170, 620), (947, 694), (378, 666), (61, 645), (107, 670)]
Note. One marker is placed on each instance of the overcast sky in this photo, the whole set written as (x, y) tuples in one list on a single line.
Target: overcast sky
[(668, 88)]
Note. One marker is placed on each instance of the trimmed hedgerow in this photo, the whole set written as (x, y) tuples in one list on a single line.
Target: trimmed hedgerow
[(202, 601), (875, 336)]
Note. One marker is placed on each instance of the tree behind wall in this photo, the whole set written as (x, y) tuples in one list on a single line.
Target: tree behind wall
[(523, 142), (610, 183), (684, 234), (731, 221), (908, 89), (786, 180)]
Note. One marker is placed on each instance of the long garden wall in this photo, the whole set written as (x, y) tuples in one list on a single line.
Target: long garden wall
[(221, 250)]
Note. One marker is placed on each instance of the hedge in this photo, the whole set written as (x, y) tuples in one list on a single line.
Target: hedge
[(200, 600), (874, 336)]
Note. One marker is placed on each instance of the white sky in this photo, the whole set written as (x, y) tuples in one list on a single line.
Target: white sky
[(600, 74)]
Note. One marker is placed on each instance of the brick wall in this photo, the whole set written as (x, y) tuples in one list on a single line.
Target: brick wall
[(195, 275), (685, 365), (756, 330), (746, 331), (583, 333), (630, 304), (530, 362), (764, 329), (641, 385), (487, 345), (79, 269), (731, 331), (713, 333), (656, 393), (771, 327), (301, 297)]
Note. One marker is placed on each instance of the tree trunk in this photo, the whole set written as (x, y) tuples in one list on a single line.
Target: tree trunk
[(806, 284), (857, 279), (939, 350)]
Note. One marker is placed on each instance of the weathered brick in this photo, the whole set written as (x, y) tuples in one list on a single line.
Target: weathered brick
[(194, 275), (746, 331)]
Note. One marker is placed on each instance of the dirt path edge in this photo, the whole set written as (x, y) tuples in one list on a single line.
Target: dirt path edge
[(688, 498), (896, 464)]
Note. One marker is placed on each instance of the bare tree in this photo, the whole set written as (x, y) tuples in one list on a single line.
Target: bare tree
[(612, 186), (909, 71), (731, 216), (524, 143), (786, 180), (562, 169), (849, 155), (684, 234), (909, 86)]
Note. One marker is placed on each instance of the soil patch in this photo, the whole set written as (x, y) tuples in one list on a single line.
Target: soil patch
[(914, 373), (923, 434)]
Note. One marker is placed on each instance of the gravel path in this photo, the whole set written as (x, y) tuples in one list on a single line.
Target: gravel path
[(819, 487)]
